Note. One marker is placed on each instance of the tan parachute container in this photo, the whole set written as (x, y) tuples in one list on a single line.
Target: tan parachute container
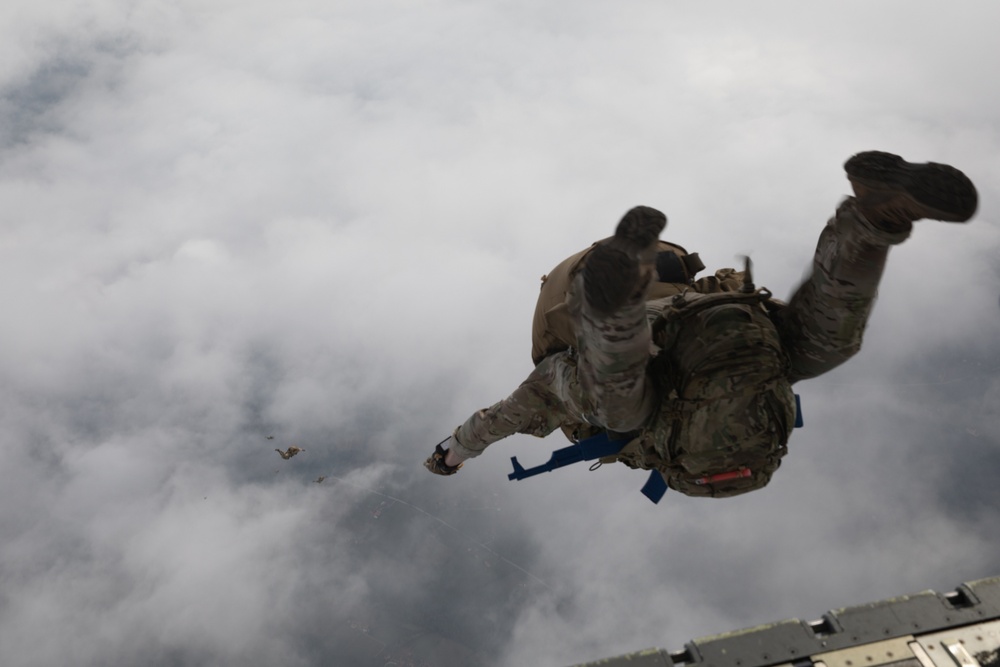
[(552, 326)]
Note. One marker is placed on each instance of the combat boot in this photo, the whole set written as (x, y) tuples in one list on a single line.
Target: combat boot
[(611, 273), (892, 193)]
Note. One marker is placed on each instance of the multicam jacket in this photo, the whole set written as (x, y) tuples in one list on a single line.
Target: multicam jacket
[(820, 328)]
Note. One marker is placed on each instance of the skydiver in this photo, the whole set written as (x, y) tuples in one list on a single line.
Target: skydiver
[(290, 452), (694, 376)]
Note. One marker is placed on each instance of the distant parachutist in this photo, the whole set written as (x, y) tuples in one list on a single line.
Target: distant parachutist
[(290, 452), (319, 480)]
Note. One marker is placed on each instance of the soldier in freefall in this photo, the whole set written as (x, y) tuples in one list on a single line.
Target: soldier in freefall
[(694, 376)]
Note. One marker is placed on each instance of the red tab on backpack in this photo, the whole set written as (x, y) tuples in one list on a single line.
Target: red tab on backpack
[(724, 476)]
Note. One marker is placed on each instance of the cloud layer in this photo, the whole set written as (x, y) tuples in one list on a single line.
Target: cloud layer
[(325, 224)]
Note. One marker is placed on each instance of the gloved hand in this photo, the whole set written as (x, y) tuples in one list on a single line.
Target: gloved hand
[(435, 463)]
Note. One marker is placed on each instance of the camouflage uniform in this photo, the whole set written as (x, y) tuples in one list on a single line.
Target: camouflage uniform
[(604, 381)]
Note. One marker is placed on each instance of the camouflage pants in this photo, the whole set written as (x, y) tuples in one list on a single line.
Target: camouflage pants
[(825, 320), (605, 380)]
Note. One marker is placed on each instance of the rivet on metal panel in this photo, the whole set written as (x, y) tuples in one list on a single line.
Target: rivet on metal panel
[(870, 655)]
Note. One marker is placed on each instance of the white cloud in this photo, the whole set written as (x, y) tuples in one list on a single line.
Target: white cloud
[(326, 223)]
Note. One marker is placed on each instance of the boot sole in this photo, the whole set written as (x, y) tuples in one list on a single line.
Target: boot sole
[(638, 233), (612, 270), (937, 191)]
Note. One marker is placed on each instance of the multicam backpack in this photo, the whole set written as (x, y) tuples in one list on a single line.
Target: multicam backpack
[(727, 407)]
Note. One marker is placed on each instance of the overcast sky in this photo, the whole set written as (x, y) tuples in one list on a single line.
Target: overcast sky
[(325, 222)]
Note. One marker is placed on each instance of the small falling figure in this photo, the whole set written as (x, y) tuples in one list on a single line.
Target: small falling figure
[(319, 480), (290, 452)]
